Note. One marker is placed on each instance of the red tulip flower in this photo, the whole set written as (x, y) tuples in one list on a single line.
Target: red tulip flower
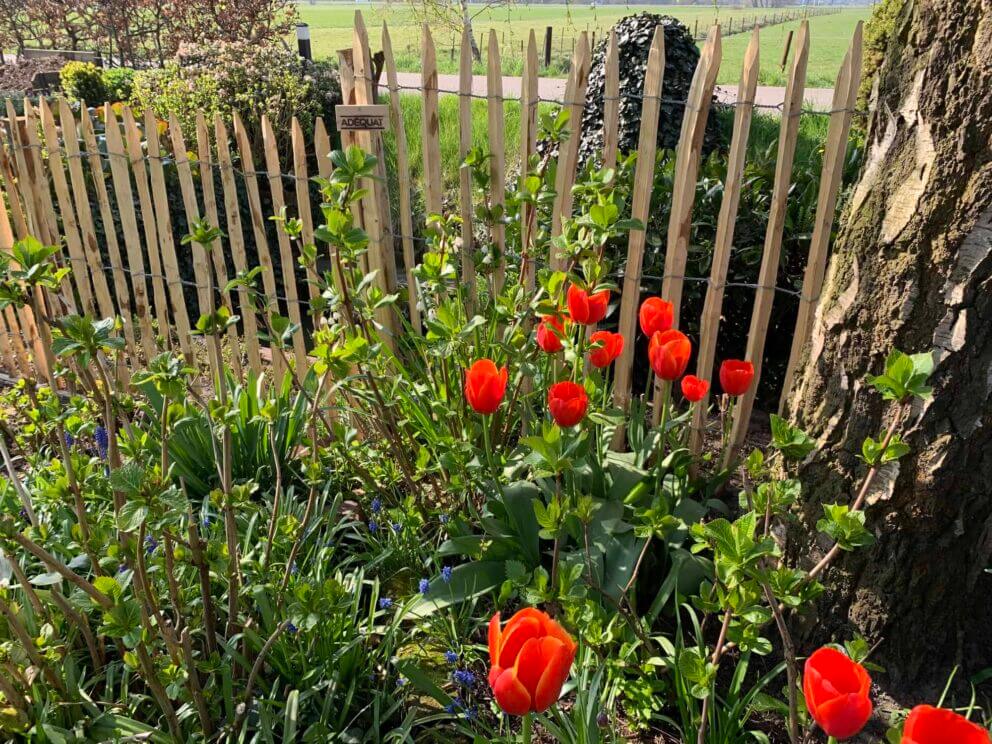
[(549, 333), (586, 308), (736, 376), (694, 389), (485, 386), (609, 346), (836, 690), (669, 353), (929, 725), (656, 315), (567, 402), (530, 659)]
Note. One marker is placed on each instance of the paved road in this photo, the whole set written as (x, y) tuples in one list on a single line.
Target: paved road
[(554, 89)]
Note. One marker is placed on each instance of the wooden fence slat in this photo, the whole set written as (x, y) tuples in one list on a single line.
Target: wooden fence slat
[(322, 148), (403, 177), (201, 270), (765, 293), (611, 103), (70, 226), (709, 325), (132, 141), (258, 229), (497, 163), (568, 156), (430, 129), (81, 198), (129, 222), (287, 264), (7, 171), (14, 354), (640, 204), (375, 205), (688, 155), (528, 146), (303, 200), (349, 138), (121, 291), (236, 238), (204, 155), (687, 166), (842, 108), (39, 177), (167, 243), (464, 175)]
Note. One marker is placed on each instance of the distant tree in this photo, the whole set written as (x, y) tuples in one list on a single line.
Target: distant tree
[(453, 15)]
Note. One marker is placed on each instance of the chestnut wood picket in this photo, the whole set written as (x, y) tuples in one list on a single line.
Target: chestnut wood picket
[(58, 186)]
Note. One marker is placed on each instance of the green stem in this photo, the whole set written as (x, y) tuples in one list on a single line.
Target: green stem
[(525, 729), (489, 447), (666, 393), (832, 740)]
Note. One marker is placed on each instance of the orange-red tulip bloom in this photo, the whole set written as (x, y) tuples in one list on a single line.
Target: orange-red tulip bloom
[(929, 725), (530, 659), (549, 333), (587, 308), (485, 386), (669, 353), (567, 402), (736, 376), (694, 389), (607, 347), (836, 690), (656, 315)]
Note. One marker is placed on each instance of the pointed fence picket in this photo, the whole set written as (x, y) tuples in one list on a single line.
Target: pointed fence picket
[(108, 210)]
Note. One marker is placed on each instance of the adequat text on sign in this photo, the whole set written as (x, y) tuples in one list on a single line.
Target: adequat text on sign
[(363, 117)]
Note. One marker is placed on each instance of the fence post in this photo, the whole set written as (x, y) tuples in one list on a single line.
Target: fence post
[(464, 177), (547, 46), (765, 293), (402, 166), (785, 51), (376, 205), (842, 110), (709, 322), (647, 147), (684, 186), (497, 163), (568, 153)]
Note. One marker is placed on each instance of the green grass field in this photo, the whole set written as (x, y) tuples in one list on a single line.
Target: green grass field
[(331, 29)]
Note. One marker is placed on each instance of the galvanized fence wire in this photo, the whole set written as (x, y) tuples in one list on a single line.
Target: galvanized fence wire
[(111, 268), (779, 107)]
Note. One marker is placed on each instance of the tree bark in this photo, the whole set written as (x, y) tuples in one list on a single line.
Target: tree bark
[(912, 269)]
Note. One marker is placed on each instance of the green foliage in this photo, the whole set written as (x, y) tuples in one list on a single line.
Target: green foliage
[(905, 377), (243, 78), (793, 443), (119, 83), (84, 81), (845, 527)]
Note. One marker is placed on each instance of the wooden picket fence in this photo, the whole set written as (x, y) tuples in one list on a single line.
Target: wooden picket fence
[(56, 189)]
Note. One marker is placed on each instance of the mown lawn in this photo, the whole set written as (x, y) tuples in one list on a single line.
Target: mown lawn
[(331, 29)]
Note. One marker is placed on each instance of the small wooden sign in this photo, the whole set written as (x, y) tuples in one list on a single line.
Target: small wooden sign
[(364, 117)]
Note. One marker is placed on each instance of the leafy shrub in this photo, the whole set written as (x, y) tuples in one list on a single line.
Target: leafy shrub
[(83, 81), (240, 77), (634, 35), (119, 83), (333, 580)]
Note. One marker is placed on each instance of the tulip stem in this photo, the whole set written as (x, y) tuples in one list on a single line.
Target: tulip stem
[(832, 740), (525, 732), (666, 394), (487, 440)]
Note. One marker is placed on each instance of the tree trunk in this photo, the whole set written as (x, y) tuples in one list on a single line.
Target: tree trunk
[(467, 22), (912, 269)]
